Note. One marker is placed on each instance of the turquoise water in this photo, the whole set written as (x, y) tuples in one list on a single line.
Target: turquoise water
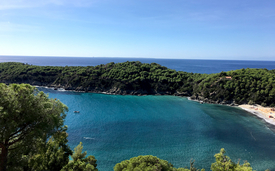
[(115, 128)]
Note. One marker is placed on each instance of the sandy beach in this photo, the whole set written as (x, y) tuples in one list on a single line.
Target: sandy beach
[(266, 113)]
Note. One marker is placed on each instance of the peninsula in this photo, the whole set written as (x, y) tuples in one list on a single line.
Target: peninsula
[(243, 86)]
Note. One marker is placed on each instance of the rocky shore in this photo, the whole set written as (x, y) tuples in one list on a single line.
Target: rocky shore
[(220, 101), (109, 90), (118, 91)]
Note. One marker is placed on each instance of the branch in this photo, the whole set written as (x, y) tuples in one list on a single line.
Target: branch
[(22, 135), (11, 136), (27, 128), (14, 148)]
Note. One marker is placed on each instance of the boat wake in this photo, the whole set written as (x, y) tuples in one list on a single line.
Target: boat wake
[(88, 138)]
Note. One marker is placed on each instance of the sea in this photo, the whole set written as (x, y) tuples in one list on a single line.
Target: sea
[(188, 65), (114, 128)]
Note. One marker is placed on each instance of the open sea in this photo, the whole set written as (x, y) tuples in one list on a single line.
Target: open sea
[(114, 128), (188, 65)]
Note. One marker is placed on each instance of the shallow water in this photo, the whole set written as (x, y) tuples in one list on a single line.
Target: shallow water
[(115, 128)]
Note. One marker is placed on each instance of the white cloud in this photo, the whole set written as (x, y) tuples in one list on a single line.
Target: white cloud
[(15, 4)]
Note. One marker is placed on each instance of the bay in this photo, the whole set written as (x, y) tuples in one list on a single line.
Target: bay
[(114, 128)]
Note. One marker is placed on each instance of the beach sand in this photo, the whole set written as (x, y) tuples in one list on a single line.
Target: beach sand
[(262, 112)]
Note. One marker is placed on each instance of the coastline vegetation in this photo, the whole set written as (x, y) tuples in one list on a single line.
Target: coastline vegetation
[(243, 86)]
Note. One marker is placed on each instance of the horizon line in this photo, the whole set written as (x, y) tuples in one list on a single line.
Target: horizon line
[(134, 57)]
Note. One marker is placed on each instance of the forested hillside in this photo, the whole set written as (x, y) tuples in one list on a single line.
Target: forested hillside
[(232, 87)]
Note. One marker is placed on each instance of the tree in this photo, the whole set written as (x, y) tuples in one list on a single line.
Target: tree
[(224, 163), (245, 167), (144, 163), (80, 163), (192, 167), (150, 163), (26, 116), (222, 74), (51, 156)]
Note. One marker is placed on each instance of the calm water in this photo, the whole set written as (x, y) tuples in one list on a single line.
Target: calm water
[(115, 128), (188, 65)]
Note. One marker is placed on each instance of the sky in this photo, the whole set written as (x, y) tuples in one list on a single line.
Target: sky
[(179, 29)]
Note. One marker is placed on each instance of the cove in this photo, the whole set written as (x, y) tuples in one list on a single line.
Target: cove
[(115, 128)]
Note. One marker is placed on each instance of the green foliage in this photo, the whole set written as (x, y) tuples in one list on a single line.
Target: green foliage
[(80, 163), (224, 163), (145, 163), (78, 152), (240, 86), (263, 104), (251, 102), (149, 163), (26, 117), (126, 76), (51, 156)]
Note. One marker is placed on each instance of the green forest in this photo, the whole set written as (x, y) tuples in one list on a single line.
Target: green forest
[(33, 138), (252, 86)]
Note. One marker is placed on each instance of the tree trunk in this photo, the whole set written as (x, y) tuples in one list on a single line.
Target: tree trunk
[(3, 157)]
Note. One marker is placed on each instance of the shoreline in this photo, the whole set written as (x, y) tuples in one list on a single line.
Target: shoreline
[(261, 112), (257, 110), (110, 93), (113, 91)]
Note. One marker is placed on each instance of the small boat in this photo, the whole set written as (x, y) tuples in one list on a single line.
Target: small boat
[(76, 111), (201, 102)]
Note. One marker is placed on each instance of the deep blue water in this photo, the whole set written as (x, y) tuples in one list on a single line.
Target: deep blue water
[(188, 65), (115, 128)]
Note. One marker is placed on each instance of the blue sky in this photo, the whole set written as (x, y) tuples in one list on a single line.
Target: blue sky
[(187, 29)]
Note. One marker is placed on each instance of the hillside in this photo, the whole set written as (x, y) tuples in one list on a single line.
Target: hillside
[(136, 78)]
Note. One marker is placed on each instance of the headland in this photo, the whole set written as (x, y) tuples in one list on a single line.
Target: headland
[(236, 87)]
